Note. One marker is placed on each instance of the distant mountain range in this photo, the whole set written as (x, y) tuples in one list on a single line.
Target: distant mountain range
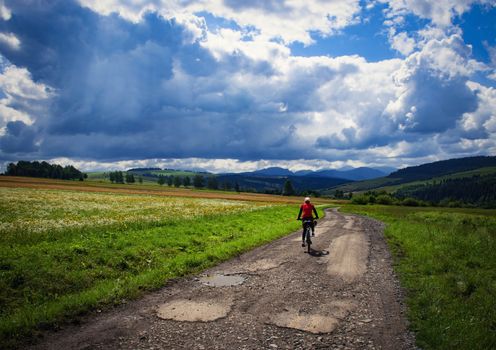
[(354, 174), (273, 178)]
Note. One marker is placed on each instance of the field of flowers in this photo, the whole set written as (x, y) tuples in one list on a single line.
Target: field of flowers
[(34, 214), (65, 252)]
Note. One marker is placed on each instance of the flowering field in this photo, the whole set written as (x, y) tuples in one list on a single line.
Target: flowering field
[(34, 214), (64, 252)]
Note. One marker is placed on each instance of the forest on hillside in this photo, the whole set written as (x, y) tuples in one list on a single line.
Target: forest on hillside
[(477, 191), (441, 168)]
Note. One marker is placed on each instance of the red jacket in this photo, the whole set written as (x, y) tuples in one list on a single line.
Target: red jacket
[(307, 209)]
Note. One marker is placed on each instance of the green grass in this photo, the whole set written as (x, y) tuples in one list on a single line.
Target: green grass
[(446, 261), (79, 251)]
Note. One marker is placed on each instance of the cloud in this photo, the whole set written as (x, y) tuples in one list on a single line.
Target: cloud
[(18, 139), (90, 85), (480, 123), (434, 93), (440, 12), (402, 43), (10, 40), (286, 20), (5, 13), (23, 100)]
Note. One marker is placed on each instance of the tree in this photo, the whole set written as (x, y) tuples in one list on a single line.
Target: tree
[(161, 180), (236, 187), (11, 169), (119, 177), (288, 189), (177, 181), (187, 181), (112, 176), (170, 180), (140, 180), (130, 178), (198, 181), (212, 183)]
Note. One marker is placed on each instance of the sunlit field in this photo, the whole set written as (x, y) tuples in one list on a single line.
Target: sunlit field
[(64, 252), (45, 213)]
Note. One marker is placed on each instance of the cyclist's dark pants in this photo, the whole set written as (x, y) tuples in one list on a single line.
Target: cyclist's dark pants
[(305, 223)]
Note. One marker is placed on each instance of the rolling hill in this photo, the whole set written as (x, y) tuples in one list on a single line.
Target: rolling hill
[(425, 173)]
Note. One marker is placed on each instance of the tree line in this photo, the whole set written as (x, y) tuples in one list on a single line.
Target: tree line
[(119, 177), (44, 170), (475, 191), (478, 191), (198, 181)]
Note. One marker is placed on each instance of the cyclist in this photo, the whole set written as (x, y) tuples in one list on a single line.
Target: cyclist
[(307, 210)]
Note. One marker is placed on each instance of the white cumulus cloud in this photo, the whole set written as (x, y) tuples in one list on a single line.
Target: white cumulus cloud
[(10, 40), (287, 20)]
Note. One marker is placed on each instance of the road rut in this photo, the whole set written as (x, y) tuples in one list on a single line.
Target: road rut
[(342, 296)]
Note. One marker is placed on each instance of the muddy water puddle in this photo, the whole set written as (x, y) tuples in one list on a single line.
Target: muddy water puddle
[(220, 280)]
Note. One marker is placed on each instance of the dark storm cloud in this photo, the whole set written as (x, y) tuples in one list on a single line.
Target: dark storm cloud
[(116, 93), (106, 71), (18, 139), (139, 90)]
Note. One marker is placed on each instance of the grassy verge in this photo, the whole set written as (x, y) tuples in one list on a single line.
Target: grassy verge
[(63, 253), (445, 259)]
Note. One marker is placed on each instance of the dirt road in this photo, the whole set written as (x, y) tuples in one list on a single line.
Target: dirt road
[(344, 296)]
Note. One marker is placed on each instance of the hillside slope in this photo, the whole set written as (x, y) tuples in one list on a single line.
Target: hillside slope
[(436, 171), (444, 167)]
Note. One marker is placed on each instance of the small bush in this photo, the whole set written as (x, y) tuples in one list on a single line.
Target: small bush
[(360, 199), (410, 202), (384, 199)]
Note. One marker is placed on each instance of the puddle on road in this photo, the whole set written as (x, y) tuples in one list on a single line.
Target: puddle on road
[(219, 280), (262, 265), (194, 311), (316, 324), (324, 321)]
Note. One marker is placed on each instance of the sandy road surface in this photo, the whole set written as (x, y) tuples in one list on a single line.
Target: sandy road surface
[(344, 296)]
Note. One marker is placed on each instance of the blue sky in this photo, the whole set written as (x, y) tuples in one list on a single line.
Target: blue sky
[(231, 85)]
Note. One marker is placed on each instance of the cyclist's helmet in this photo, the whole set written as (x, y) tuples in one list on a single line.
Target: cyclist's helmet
[(307, 199)]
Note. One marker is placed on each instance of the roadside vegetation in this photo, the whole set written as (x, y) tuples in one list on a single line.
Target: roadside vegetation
[(63, 253), (445, 259)]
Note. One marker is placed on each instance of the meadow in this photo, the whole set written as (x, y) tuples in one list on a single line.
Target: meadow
[(446, 261), (67, 248), (64, 252)]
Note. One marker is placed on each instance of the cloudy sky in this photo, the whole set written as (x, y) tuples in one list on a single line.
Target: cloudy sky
[(234, 85)]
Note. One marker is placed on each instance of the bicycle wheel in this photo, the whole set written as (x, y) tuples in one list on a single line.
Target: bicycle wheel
[(308, 232)]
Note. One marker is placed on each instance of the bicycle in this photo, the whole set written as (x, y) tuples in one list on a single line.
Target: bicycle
[(307, 232)]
